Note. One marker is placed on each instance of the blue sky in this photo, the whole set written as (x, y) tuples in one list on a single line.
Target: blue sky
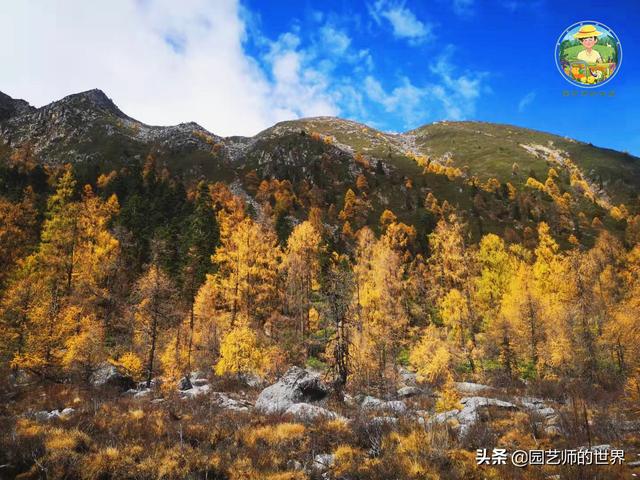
[(237, 67), (503, 50)]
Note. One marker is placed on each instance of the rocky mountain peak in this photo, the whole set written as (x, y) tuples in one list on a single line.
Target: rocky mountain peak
[(94, 99)]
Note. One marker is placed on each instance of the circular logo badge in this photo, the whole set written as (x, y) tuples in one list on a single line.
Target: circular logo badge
[(588, 54)]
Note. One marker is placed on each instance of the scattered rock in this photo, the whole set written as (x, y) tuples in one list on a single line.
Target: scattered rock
[(154, 383), (308, 412), (553, 431), (394, 406), (372, 402), (323, 461), (537, 406), (469, 388), (383, 421), (295, 386), (145, 392), (600, 448), (408, 377), (225, 401), (107, 375), (197, 375), (45, 416), (21, 378), (470, 413), (443, 417), (406, 392), (195, 391), (184, 384), (294, 465), (251, 380)]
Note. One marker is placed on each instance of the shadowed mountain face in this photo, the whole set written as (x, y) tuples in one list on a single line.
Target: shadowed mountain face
[(10, 107), (471, 165)]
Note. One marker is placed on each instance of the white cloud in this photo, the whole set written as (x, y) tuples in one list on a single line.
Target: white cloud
[(299, 89), (526, 101), (162, 62), (335, 40), (403, 21), (165, 63)]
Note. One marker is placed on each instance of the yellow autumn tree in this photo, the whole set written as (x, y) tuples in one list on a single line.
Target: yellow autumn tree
[(240, 352), (431, 358), (553, 288), (85, 348), (154, 311), (382, 319), (247, 262), (302, 268)]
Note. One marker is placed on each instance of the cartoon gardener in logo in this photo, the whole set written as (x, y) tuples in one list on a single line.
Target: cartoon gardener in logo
[(588, 37)]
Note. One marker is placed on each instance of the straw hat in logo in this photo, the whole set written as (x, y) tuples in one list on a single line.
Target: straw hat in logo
[(587, 31)]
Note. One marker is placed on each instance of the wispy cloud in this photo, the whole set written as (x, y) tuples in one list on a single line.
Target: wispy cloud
[(449, 95), (463, 7), (404, 23), (526, 101), (335, 40), (517, 5)]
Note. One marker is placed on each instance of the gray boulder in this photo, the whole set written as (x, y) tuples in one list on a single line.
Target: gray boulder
[(393, 406), (195, 391), (537, 406), (406, 392), (309, 413), (107, 375), (228, 403), (45, 416), (144, 393), (383, 421), (295, 386), (470, 413)]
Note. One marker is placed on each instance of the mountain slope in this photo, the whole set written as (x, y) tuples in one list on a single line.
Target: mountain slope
[(471, 165)]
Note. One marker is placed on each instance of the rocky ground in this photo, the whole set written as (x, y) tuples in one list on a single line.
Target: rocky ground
[(487, 417)]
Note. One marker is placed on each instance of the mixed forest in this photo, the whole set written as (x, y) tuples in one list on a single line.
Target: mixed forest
[(157, 276)]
